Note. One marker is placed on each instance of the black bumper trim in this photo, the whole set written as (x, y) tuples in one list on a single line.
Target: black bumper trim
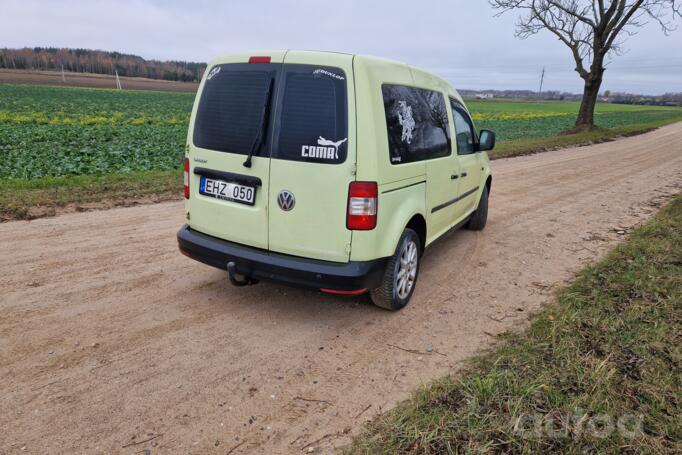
[(281, 268)]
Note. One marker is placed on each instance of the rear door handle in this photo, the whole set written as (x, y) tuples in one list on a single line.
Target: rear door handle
[(454, 177), (464, 174)]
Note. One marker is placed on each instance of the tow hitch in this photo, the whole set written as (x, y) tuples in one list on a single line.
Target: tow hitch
[(237, 279)]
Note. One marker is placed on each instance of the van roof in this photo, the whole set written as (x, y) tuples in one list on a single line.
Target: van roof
[(230, 56), (368, 59)]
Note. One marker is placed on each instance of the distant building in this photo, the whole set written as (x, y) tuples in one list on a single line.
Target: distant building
[(484, 96)]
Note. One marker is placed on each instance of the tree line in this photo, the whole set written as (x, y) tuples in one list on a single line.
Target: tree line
[(667, 99), (99, 62)]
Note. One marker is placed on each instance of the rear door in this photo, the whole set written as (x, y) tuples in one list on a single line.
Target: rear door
[(233, 117), (313, 157)]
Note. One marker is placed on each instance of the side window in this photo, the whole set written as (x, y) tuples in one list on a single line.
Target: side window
[(416, 122), (464, 130)]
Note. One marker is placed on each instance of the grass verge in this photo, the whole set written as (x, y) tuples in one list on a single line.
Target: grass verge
[(27, 199), (508, 149), (596, 372)]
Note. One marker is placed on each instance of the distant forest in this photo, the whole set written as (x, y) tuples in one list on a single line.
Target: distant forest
[(99, 62)]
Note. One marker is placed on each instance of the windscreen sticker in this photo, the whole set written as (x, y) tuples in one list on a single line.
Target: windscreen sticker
[(321, 72), (325, 149), (406, 121), (214, 71)]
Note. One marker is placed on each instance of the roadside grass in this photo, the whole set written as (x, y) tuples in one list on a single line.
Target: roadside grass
[(26, 199), (518, 147), (598, 371)]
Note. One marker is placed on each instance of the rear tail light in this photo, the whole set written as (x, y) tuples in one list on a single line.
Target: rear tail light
[(362, 206), (186, 176), (260, 59)]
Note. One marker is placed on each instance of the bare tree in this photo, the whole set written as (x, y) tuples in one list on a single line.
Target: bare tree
[(593, 30)]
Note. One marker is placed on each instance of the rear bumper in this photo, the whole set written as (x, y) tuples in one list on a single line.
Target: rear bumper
[(281, 268)]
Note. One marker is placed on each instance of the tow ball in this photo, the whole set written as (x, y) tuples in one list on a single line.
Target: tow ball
[(237, 279)]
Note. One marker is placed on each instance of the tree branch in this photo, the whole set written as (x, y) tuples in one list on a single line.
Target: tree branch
[(589, 38), (572, 10)]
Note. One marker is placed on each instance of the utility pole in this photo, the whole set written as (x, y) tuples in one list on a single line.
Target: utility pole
[(542, 80), (63, 78), (118, 81)]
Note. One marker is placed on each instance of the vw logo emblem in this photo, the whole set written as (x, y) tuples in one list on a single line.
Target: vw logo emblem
[(286, 200)]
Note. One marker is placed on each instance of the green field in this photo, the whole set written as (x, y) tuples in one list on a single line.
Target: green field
[(54, 131), (513, 120), (64, 145)]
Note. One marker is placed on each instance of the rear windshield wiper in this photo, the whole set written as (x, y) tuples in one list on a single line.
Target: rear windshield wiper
[(265, 115)]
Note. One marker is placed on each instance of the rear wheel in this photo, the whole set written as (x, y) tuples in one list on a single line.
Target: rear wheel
[(401, 274), (480, 216)]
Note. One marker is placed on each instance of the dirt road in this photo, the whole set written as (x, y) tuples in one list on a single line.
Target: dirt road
[(111, 341)]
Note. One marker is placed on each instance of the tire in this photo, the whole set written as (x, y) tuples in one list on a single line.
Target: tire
[(480, 216), (391, 295)]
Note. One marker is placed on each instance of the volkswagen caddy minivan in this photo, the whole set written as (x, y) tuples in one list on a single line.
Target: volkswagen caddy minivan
[(328, 171)]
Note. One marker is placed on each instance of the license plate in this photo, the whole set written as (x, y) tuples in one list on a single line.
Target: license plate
[(227, 191)]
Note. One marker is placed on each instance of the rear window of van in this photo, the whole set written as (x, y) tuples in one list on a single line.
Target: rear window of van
[(313, 124), (300, 110), (229, 116)]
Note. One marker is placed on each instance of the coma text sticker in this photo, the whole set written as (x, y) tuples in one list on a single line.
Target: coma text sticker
[(324, 149)]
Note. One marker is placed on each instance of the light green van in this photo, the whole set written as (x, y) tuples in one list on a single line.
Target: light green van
[(329, 171)]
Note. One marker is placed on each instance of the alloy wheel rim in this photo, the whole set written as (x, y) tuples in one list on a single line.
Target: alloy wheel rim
[(407, 270)]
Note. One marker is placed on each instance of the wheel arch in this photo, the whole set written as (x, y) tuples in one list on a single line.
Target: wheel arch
[(418, 224)]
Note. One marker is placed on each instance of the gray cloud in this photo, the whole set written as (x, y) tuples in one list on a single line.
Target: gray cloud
[(458, 39)]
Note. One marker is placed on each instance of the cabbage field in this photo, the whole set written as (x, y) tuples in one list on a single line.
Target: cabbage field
[(57, 131), (60, 131)]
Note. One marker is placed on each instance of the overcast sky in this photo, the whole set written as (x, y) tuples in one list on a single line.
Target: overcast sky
[(460, 40)]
